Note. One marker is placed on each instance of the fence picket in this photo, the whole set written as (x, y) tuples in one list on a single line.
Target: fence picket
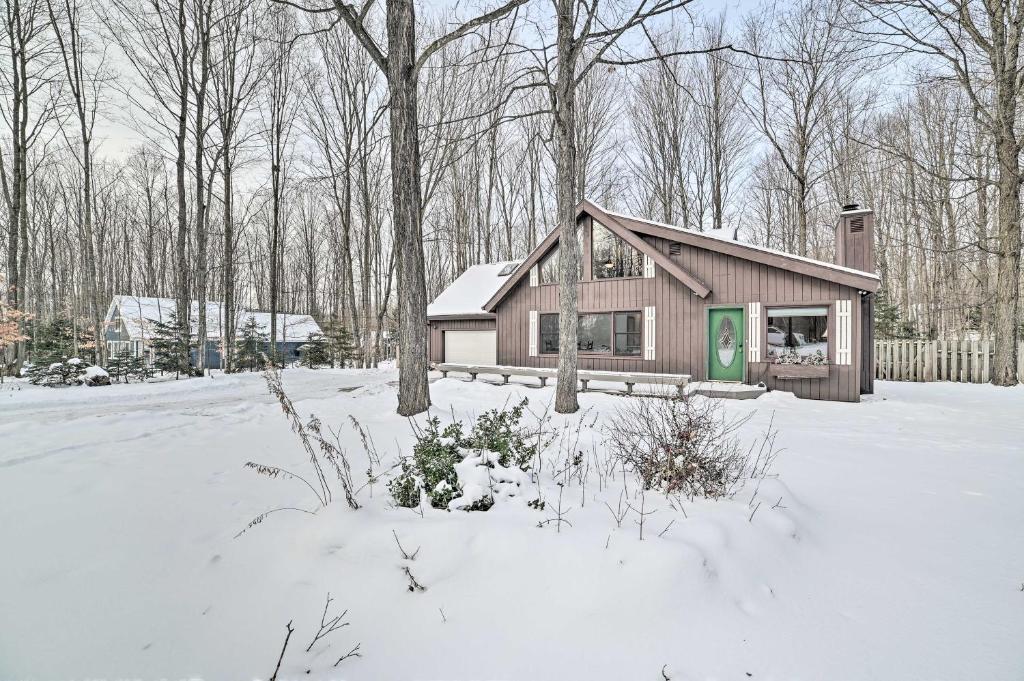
[(985, 375)]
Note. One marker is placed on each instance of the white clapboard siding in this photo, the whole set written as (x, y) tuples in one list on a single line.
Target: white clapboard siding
[(844, 332), (754, 333), (648, 267), (962, 361), (533, 333), (534, 275), (649, 333)]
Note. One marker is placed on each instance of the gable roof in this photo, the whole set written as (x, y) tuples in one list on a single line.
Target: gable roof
[(626, 227), (715, 240), (465, 296), (138, 314)]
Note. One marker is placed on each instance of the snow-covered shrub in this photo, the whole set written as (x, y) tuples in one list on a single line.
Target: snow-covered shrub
[(431, 467), (498, 430), (464, 472), (682, 446), (56, 374), (95, 376), (482, 478)]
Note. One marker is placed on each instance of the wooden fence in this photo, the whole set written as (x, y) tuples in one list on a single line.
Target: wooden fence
[(963, 361)]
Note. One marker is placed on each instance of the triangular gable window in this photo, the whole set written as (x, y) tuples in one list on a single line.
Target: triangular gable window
[(612, 257)]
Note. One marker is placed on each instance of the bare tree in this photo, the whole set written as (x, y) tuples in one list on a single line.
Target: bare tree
[(27, 109), (236, 77), (157, 39), (977, 45), (791, 97), (280, 113), (402, 65)]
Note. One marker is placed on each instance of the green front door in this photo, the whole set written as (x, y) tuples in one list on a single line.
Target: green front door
[(725, 344)]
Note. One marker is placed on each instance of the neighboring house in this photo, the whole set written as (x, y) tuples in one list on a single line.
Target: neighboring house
[(131, 320), (658, 298)]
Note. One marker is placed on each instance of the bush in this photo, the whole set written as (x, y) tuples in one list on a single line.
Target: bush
[(58, 374), (685, 446), (433, 467), (499, 431)]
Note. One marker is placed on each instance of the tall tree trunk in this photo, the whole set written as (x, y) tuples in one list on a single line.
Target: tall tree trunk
[(413, 390), (182, 284), (565, 194), (1007, 293), (229, 264)]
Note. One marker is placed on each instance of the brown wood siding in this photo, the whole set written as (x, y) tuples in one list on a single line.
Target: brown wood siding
[(435, 351), (681, 318)]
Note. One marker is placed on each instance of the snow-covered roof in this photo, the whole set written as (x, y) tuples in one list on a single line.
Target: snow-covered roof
[(727, 235), (138, 314), (474, 287)]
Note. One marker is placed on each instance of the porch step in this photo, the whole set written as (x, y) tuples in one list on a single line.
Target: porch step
[(727, 391)]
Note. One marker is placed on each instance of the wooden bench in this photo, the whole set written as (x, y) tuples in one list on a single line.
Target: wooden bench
[(584, 376)]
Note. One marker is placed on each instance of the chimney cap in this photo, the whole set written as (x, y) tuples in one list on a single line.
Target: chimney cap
[(850, 206)]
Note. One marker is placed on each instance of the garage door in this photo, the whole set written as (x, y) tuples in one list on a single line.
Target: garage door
[(470, 347)]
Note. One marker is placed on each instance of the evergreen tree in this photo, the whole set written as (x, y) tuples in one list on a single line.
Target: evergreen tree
[(138, 369), (252, 346), (117, 366), (316, 352), (341, 348), (52, 341), (889, 320), (170, 353)]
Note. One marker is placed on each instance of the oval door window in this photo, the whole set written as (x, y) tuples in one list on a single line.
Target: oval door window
[(726, 342)]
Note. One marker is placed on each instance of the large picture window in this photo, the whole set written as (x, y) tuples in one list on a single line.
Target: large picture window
[(594, 333), (611, 257), (802, 331), (605, 333)]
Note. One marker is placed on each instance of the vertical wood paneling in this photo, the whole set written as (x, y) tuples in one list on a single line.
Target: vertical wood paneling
[(680, 338)]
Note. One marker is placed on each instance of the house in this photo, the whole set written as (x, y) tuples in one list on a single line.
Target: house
[(661, 299), (131, 321)]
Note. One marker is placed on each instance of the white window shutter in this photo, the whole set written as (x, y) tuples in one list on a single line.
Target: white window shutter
[(533, 333), (754, 334), (534, 275), (648, 267), (844, 332), (649, 332)]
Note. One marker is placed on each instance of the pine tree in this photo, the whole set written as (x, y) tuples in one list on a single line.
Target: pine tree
[(137, 368), (117, 366), (52, 341), (889, 320), (252, 346), (170, 353), (340, 346), (316, 352)]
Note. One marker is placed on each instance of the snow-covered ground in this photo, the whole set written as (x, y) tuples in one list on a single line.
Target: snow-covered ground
[(896, 551)]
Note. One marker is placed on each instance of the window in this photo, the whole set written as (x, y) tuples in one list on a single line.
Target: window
[(548, 334), (548, 266), (628, 327), (595, 333), (606, 333), (612, 257), (799, 330), (508, 269)]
